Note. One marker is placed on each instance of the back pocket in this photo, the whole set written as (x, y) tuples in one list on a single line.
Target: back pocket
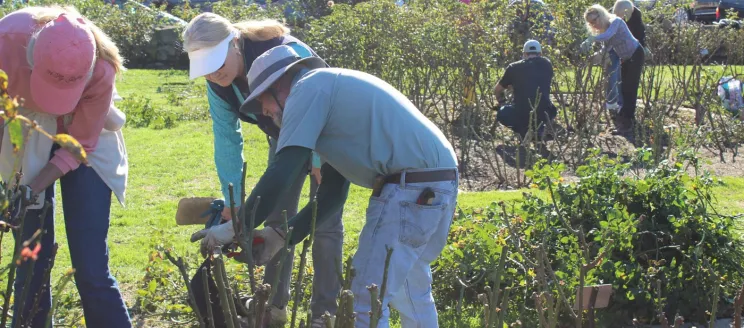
[(418, 222)]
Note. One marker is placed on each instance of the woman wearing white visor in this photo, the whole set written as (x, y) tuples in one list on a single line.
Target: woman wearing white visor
[(223, 53)]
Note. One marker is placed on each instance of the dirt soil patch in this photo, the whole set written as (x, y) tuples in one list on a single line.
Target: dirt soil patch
[(500, 163)]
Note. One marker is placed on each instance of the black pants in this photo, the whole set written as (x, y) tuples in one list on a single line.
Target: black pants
[(630, 75), (519, 120)]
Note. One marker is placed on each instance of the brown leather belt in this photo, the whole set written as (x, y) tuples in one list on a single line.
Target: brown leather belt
[(414, 177)]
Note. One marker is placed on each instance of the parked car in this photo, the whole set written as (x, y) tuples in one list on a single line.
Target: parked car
[(704, 10), (726, 5)]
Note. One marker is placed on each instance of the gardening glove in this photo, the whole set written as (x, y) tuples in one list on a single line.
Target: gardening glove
[(587, 44), (273, 242), (215, 236)]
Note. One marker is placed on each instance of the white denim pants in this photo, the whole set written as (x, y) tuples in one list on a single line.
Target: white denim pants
[(417, 234)]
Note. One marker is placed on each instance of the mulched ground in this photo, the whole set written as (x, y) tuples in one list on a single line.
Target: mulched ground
[(500, 163)]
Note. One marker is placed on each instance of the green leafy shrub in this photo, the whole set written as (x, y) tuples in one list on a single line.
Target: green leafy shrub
[(637, 226), (681, 242)]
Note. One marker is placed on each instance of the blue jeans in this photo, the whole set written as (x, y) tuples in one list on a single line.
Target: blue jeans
[(613, 80), (417, 234), (86, 203)]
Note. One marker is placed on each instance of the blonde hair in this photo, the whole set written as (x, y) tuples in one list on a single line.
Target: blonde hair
[(209, 29), (105, 48), (599, 13), (623, 9)]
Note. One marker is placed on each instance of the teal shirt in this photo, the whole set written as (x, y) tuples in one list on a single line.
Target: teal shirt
[(360, 125), (228, 138)]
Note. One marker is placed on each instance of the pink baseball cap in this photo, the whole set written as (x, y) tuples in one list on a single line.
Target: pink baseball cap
[(63, 58)]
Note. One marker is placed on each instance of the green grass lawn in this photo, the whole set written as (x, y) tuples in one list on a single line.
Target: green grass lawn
[(169, 164), (169, 91)]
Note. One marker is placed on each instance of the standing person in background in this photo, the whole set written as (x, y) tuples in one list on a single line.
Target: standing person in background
[(608, 28), (64, 67), (633, 17), (223, 53), (625, 10)]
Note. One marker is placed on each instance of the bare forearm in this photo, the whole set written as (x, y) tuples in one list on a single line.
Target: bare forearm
[(45, 178)]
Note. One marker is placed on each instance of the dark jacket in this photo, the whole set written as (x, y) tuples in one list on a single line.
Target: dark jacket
[(636, 27)]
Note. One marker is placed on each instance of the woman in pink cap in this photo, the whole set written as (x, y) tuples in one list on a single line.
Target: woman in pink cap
[(64, 68)]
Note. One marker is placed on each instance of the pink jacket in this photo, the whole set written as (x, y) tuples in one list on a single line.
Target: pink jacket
[(90, 113)]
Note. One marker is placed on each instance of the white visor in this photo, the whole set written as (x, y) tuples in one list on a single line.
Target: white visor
[(208, 60)]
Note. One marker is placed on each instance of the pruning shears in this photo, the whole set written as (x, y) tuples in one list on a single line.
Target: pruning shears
[(215, 213), (215, 218), (232, 248)]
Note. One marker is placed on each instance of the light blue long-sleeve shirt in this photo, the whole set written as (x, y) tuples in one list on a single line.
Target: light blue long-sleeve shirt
[(228, 138)]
